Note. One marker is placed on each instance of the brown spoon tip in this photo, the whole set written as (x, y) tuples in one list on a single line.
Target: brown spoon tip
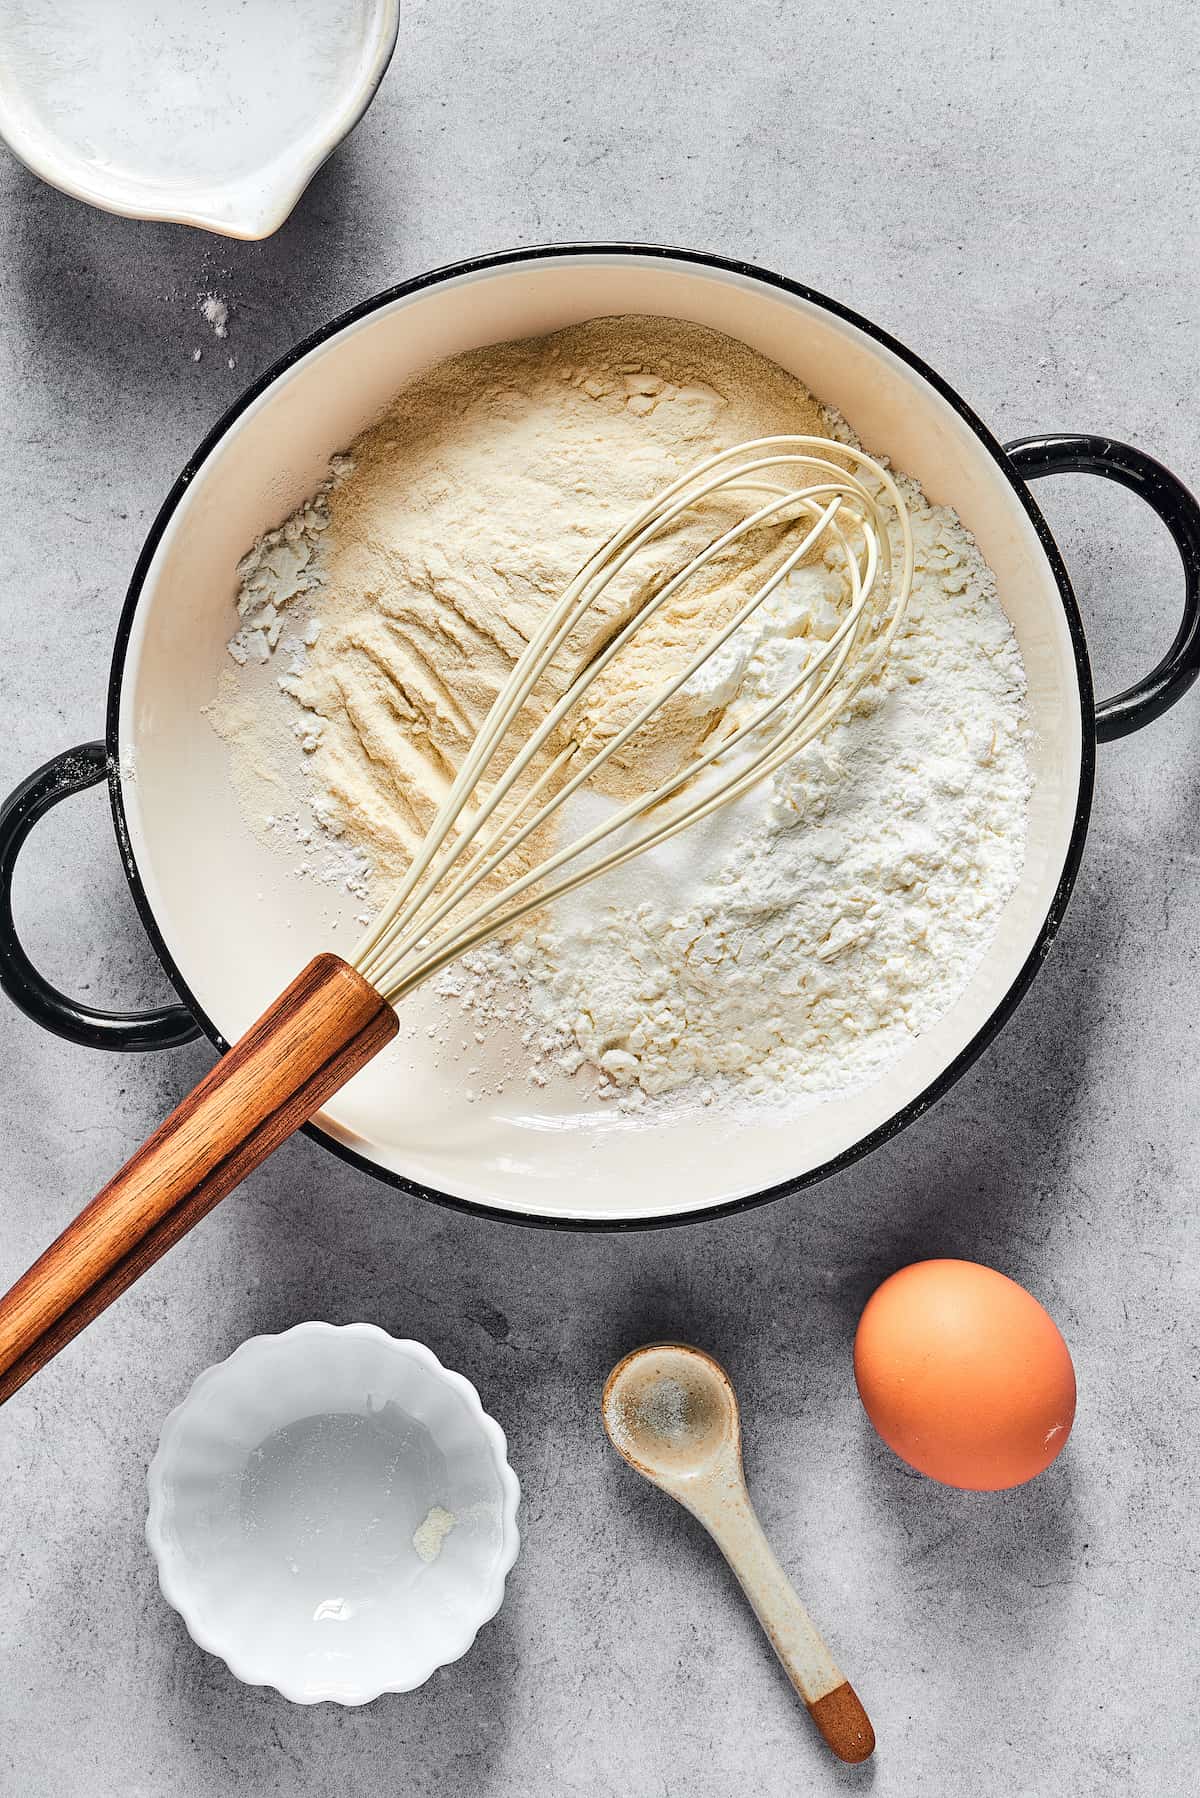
[(842, 1721)]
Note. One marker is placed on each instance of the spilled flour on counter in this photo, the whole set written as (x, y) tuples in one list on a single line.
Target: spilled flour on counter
[(788, 947)]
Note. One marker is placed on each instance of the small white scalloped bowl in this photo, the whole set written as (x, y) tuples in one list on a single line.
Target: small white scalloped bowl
[(285, 1495)]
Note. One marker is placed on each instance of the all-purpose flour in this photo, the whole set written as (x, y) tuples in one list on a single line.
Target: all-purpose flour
[(796, 944), (789, 946)]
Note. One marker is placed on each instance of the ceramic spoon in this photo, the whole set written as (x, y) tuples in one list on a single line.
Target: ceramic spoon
[(672, 1413)]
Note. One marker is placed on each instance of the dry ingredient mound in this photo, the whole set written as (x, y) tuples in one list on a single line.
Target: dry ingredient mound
[(471, 505), (791, 945)]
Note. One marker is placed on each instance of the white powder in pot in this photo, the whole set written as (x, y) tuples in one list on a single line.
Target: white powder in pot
[(786, 948), (799, 942)]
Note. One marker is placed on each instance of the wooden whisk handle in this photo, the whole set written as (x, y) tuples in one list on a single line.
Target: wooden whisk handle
[(327, 1025)]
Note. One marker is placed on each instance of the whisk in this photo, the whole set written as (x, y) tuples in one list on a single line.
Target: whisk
[(489, 857)]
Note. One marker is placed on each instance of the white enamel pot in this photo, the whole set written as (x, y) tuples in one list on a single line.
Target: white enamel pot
[(231, 922)]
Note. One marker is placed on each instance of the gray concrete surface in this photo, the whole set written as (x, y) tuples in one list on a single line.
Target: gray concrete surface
[(1012, 189)]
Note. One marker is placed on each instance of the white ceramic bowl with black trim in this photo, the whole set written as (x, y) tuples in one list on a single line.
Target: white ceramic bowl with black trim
[(197, 871)]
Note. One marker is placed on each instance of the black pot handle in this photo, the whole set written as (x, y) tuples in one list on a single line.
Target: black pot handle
[(71, 772), (1165, 494)]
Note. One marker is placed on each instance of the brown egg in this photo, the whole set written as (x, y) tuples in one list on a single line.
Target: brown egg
[(964, 1375)]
